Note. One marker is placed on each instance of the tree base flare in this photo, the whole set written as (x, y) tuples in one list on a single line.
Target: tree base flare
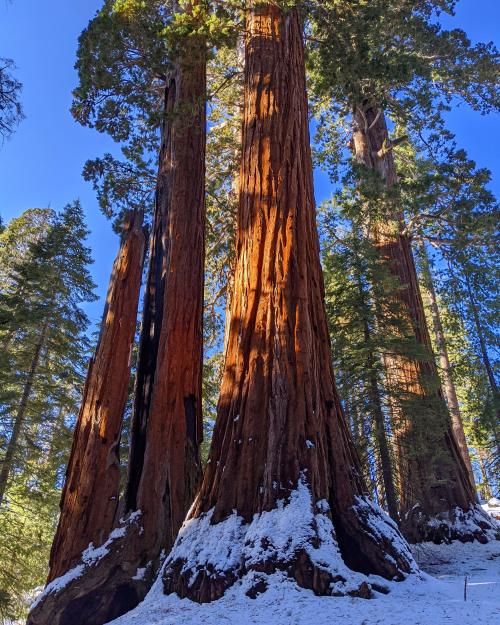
[(107, 583), (455, 524), (296, 538)]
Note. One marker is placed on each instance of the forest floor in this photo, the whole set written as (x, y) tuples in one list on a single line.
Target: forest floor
[(436, 597)]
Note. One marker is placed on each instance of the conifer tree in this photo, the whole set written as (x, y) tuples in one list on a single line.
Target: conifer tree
[(44, 257), (281, 442), (166, 430), (467, 285), (444, 361), (370, 78), (354, 280), (89, 499), (42, 303)]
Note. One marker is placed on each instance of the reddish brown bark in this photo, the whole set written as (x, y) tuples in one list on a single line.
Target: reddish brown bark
[(434, 482), (171, 429), (279, 417), (164, 465), (91, 490)]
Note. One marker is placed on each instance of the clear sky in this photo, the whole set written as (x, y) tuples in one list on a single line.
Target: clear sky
[(41, 165)]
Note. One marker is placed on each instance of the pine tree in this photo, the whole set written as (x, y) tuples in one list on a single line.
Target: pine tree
[(45, 296), (46, 261), (353, 281), (444, 361), (467, 284)]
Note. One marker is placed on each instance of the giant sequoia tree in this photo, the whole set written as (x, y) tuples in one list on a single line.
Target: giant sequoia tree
[(92, 486), (412, 70), (167, 410), (281, 444), (164, 465), (434, 481)]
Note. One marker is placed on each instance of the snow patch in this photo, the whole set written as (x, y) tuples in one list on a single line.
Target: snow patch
[(383, 527), (277, 535), (492, 508), (433, 598), (140, 574), (90, 556), (456, 523)]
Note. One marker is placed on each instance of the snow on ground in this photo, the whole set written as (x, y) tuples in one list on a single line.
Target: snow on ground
[(277, 535), (90, 556), (492, 508), (436, 597)]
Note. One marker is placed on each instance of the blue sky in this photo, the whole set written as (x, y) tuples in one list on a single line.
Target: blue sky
[(41, 165)]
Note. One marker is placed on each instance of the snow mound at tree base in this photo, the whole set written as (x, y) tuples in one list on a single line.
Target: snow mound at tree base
[(456, 524), (435, 597), (296, 538), (105, 584)]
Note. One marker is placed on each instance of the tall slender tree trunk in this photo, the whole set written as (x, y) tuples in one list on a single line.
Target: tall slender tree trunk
[(381, 435), (281, 441), (485, 481), (449, 390), (482, 341), (164, 479), (91, 490), (380, 431), (55, 446), (436, 493), (486, 362), (21, 411), (166, 433)]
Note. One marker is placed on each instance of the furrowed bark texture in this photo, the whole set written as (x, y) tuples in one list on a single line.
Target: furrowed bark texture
[(434, 481), (102, 589), (164, 464), (169, 470), (91, 490), (279, 416)]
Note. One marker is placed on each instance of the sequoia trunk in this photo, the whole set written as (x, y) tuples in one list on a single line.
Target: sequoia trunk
[(281, 444), (164, 464), (437, 497), (91, 490), (167, 427)]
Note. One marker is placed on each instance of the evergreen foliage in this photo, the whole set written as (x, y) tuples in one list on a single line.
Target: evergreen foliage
[(45, 280), (394, 54), (11, 110)]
